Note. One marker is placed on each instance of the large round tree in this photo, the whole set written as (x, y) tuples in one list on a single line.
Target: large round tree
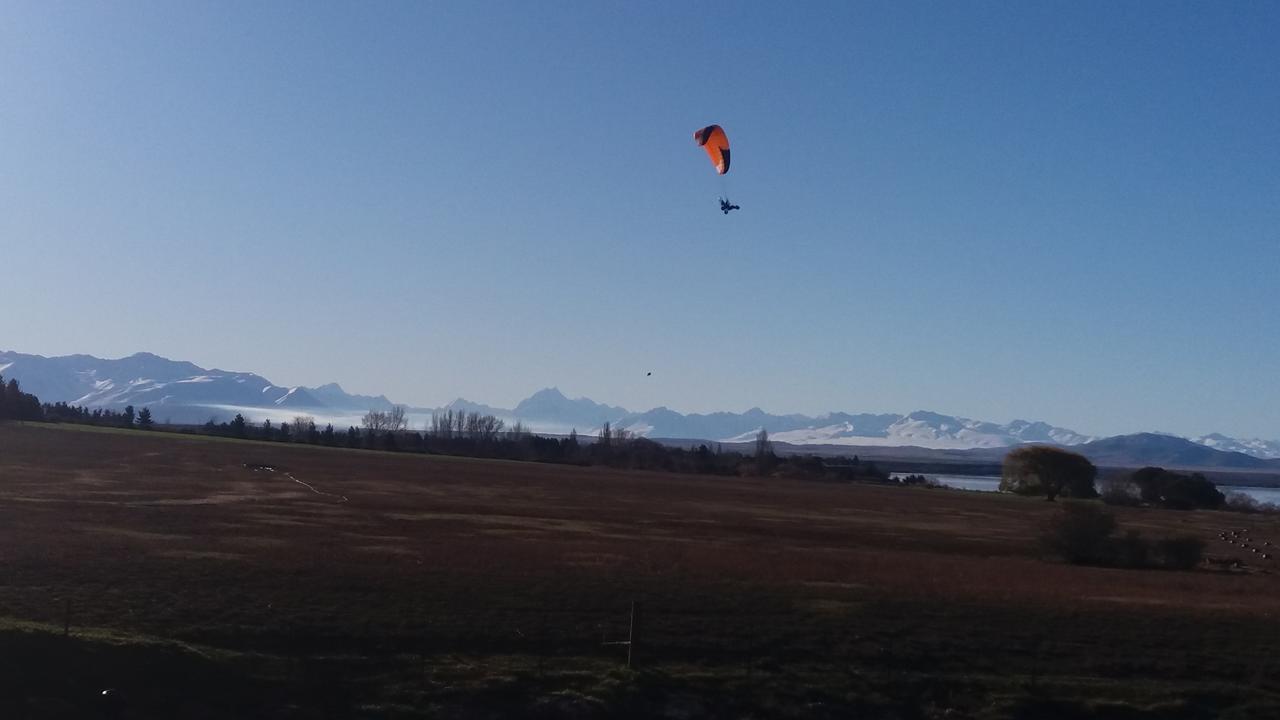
[(1036, 469)]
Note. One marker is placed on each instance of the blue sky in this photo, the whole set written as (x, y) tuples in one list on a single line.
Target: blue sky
[(1061, 211)]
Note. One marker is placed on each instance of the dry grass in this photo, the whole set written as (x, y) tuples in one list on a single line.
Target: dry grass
[(180, 538)]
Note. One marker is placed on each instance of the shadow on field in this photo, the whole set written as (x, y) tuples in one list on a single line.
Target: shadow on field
[(44, 675)]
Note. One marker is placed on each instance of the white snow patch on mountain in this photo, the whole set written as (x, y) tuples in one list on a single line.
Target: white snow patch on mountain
[(1266, 449), (927, 430)]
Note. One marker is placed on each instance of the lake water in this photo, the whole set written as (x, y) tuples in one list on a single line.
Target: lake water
[(990, 483)]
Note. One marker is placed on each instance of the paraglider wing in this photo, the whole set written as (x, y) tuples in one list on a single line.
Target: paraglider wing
[(716, 143)]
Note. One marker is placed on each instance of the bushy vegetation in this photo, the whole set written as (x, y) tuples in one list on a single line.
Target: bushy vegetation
[(1157, 487), (1180, 553), (1084, 534), (1129, 550), (1080, 534), (1165, 488), (919, 481), (1048, 470)]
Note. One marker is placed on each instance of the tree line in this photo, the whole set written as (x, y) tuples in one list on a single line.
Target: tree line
[(17, 405), (1053, 472), (1085, 533), (473, 434), (129, 417)]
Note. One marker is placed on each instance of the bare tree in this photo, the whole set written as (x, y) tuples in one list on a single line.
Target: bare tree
[(484, 428), (764, 448), (376, 421), (451, 424), (396, 420), (303, 425), (442, 425), (517, 432), (765, 459), (490, 428)]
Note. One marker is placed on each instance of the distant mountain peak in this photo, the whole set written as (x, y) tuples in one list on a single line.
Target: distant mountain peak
[(1151, 448), (928, 416), (550, 404), (332, 395), (467, 406)]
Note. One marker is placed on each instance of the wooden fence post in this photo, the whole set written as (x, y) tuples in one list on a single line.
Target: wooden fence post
[(634, 634)]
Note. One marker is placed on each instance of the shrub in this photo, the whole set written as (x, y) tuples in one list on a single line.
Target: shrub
[(918, 481), (1080, 534), (1180, 553), (1132, 550), (1177, 491)]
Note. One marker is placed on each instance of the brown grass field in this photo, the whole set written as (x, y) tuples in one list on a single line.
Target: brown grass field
[(393, 585)]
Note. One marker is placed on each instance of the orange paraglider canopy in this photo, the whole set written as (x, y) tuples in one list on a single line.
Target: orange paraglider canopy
[(716, 143)]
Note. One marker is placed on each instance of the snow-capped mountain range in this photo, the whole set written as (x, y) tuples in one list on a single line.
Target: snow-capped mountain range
[(186, 393), (1254, 447), (175, 390)]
